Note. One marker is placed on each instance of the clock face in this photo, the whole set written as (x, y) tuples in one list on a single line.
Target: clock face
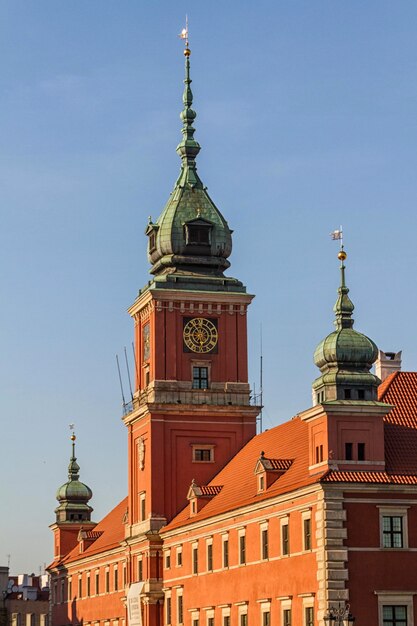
[(146, 336), (200, 335)]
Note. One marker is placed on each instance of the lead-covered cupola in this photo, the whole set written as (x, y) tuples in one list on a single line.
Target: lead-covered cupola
[(73, 496), (191, 241), (345, 357)]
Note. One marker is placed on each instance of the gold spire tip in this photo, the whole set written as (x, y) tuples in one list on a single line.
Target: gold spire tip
[(73, 437), (341, 255)]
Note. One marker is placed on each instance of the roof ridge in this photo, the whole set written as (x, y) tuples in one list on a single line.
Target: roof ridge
[(386, 384)]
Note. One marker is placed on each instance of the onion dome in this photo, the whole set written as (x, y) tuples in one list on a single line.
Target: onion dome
[(190, 242), (74, 495), (345, 357)]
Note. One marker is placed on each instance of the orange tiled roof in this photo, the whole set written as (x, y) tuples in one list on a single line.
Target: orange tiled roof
[(351, 476), (110, 532), (240, 487), (400, 390), (280, 464), (93, 534), (210, 490)]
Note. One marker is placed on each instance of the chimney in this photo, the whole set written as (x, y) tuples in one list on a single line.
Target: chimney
[(387, 363)]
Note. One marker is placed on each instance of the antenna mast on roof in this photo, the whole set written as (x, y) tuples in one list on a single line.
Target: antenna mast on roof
[(128, 374), (261, 384), (120, 381)]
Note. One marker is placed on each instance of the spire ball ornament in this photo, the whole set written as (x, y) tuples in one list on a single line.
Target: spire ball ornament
[(342, 256)]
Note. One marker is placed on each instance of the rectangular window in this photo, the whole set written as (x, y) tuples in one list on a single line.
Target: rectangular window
[(319, 453), (286, 617), (348, 394), (203, 454), (142, 507), (244, 619), (116, 579), (210, 621), (179, 557), (209, 557), (226, 620), (225, 553), (195, 560), (195, 622), (168, 610), (140, 570), (107, 581), (266, 618), (242, 550), (307, 533), (361, 394), (309, 616), (200, 377), (124, 575), (361, 451), (97, 583), (70, 590), (264, 544), (167, 560), (80, 587), (285, 536), (349, 451), (261, 483), (180, 610), (392, 531), (394, 615), (88, 586)]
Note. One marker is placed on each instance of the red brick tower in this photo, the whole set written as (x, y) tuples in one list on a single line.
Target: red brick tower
[(191, 410)]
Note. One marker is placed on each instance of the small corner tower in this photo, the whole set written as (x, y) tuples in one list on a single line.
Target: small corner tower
[(346, 422), (345, 357), (73, 511), (192, 409)]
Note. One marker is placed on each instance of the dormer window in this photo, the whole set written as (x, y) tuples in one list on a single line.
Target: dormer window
[(152, 242), (198, 233)]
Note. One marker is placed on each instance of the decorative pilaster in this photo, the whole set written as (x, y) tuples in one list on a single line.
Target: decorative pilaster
[(332, 555)]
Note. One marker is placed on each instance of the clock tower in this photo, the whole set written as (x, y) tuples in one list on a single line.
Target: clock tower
[(192, 410)]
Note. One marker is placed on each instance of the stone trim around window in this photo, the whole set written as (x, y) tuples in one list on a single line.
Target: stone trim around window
[(393, 511), (396, 598)]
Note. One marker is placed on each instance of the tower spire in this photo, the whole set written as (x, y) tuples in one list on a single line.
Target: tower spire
[(343, 307), (188, 148)]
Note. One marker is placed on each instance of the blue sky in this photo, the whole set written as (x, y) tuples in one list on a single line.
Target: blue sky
[(307, 120)]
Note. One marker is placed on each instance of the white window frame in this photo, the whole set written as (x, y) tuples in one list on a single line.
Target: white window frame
[(142, 506), (393, 511), (225, 537), (242, 610), (400, 598), (179, 594), (308, 603), (241, 533), (285, 521), (265, 608), (168, 596), (178, 552), (262, 527), (285, 605), (167, 554), (203, 446), (306, 515), (209, 542)]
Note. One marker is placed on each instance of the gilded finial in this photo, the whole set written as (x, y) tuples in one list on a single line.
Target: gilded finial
[(72, 427)]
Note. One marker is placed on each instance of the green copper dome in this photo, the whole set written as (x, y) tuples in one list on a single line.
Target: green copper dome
[(190, 242), (73, 495), (345, 357)]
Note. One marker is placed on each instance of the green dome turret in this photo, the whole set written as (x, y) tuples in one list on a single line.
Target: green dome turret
[(345, 357), (190, 242), (73, 495)]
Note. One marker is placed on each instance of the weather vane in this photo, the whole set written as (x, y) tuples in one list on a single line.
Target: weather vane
[(184, 33), (72, 429), (337, 235)]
